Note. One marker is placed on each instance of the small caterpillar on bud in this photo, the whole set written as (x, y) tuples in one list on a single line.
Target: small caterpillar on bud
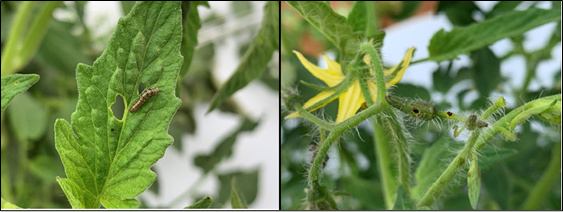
[(415, 108)]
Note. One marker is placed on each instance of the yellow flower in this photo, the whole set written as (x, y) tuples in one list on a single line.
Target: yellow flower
[(352, 99)]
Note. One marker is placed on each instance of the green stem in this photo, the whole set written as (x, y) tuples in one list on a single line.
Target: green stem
[(317, 163), (378, 68), (383, 159), (337, 132), (323, 124), (38, 29), (10, 56), (475, 143), (402, 150), (500, 103), (450, 115), (24, 38), (457, 163)]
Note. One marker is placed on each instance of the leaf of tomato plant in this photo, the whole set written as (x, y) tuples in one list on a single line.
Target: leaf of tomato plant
[(256, 58), (225, 148), (191, 24), (334, 26), (8, 205), (201, 204), (107, 160), (237, 199), (485, 70), (28, 117), (15, 84), (460, 40)]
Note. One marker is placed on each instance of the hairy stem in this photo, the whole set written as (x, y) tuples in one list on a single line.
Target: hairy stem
[(383, 159), (378, 68)]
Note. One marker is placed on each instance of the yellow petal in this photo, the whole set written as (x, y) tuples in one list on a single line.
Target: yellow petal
[(373, 89), (333, 65), (349, 102), (319, 97), (395, 73), (330, 77), (367, 60)]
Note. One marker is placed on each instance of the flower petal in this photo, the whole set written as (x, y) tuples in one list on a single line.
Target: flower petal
[(333, 65), (319, 97), (367, 60), (373, 89), (349, 102), (329, 76), (395, 73)]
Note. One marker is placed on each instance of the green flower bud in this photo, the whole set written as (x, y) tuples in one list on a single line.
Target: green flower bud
[(291, 99), (415, 108), (472, 123)]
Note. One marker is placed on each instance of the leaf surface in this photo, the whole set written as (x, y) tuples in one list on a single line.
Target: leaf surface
[(15, 84), (461, 40), (107, 161), (256, 58)]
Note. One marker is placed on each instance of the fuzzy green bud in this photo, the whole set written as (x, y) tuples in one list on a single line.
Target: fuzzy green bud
[(473, 123), (291, 99), (415, 108)]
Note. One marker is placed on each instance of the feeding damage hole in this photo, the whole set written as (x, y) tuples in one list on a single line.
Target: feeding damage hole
[(415, 110), (450, 113)]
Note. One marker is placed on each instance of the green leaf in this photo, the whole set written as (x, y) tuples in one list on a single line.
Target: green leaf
[(237, 199), (502, 7), (8, 205), (441, 79), (486, 70), (409, 7), (256, 58), (28, 117), (489, 156), (246, 186), (60, 49), (364, 190), (126, 6), (474, 182), (460, 13), (15, 84), (201, 204), (497, 185), (224, 149), (358, 16), (460, 40), (107, 161), (192, 24), (334, 26), (413, 91), (403, 201), (541, 107), (433, 162), (362, 18)]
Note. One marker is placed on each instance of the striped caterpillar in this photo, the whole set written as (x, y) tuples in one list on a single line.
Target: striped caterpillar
[(147, 94)]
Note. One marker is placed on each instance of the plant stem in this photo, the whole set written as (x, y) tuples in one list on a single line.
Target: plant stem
[(315, 169), (458, 162), (323, 124), (383, 159), (378, 68)]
